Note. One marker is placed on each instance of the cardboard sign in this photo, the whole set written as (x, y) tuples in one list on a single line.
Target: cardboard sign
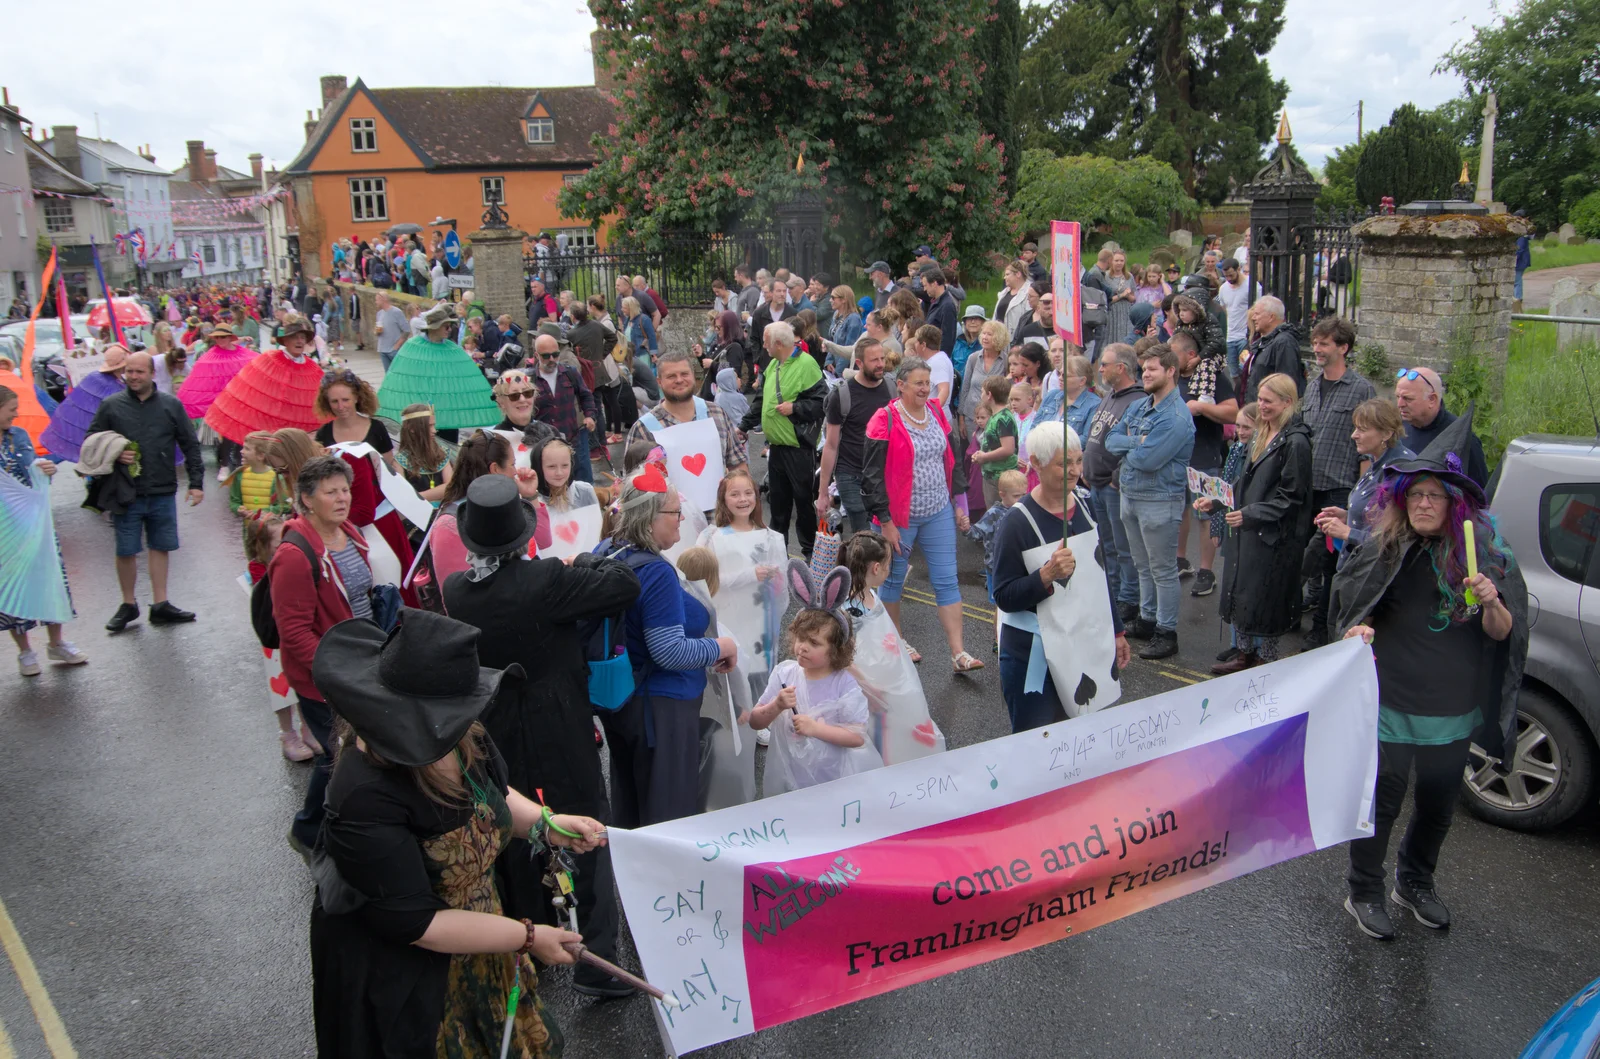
[(403, 496), (1066, 270), (1210, 487), (694, 460), (523, 453), (571, 532)]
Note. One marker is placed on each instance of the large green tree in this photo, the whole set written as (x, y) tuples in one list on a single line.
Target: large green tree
[(1339, 175), (718, 99), (999, 48), (1543, 62), (1095, 190), (1184, 81), (1410, 158)]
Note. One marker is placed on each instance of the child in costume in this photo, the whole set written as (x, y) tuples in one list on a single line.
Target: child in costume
[(274, 390), (263, 532), (207, 379), (256, 488), (552, 458), (751, 559), (825, 735), (997, 449), (421, 458)]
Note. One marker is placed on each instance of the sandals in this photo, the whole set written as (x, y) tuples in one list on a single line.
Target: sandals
[(965, 663), (911, 652)]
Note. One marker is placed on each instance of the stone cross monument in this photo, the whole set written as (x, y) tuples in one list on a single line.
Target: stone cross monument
[(1486, 158)]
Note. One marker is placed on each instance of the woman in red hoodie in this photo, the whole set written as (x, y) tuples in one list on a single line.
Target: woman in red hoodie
[(319, 577)]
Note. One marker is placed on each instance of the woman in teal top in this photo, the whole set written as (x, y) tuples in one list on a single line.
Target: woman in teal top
[(1449, 648)]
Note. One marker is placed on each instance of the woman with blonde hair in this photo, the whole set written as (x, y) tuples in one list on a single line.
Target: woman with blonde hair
[(288, 451), (171, 359), (1270, 521)]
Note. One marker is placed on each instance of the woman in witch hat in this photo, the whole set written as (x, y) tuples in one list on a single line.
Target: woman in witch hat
[(410, 954), (1446, 611)]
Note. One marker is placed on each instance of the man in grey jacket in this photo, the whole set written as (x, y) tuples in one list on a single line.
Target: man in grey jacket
[(157, 423)]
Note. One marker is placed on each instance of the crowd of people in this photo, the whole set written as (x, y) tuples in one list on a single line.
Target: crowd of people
[(447, 673)]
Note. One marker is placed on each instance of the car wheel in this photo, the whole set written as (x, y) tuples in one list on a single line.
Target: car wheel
[(1552, 771)]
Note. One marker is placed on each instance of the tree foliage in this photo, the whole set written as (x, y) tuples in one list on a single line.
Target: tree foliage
[(1184, 81), (1339, 174), (1410, 158), (999, 48), (1543, 63), (718, 98), (1095, 190)]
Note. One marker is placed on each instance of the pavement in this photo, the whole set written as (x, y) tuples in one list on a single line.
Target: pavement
[(1537, 287), (150, 907)]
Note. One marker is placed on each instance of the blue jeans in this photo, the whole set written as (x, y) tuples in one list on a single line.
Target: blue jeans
[(1516, 291), (850, 496), (582, 467), (1107, 505), (387, 358), (1234, 348), (937, 535), (307, 826), (1152, 527), (152, 518)]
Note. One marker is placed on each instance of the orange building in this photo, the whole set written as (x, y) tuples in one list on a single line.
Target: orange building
[(377, 157)]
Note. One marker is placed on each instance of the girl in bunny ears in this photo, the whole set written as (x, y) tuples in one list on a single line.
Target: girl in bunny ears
[(825, 736)]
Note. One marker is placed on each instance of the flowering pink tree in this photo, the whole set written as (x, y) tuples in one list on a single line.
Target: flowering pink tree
[(718, 99)]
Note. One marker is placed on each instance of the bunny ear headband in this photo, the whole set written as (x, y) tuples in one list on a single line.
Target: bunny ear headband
[(831, 597)]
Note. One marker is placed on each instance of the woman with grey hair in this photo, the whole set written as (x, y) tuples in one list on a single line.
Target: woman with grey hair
[(655, 736), (908, 478)]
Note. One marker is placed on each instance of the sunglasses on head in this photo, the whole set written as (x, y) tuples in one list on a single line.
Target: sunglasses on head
[(1413, 373)]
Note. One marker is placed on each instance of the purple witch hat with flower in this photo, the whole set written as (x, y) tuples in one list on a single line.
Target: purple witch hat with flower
[(1443, 458)]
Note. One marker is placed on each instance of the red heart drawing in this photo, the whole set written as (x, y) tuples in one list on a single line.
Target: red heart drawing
[(891, 643), (522, 448), (280, 685), (925, 734), (266, 652), (694, 464), (567, 531), (533, 549)]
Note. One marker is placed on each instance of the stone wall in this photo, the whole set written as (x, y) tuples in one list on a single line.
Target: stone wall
[(1428, 282), (367, 297), (497, 272)]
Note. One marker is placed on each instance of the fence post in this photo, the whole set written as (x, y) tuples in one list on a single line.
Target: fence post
[(1283, 199), (800, 235)]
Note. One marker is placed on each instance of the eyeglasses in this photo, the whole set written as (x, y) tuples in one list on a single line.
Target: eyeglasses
[(1173, 268), (520, 395), (1430, 499), (548, 356), (676, 513), (1413, 373)]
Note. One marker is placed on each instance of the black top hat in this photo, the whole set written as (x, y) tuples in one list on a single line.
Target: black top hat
[(410, 694), (1444, 458), (493, 520)]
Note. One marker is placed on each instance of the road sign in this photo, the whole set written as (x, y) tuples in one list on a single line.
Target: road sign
[(452, 249), (461, 281)]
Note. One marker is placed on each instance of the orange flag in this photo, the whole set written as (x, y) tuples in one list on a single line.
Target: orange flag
[(31, 415)]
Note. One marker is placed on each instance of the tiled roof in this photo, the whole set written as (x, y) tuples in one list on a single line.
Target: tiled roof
[(224, 174), (117, 156), (46, 174), (480, 127)]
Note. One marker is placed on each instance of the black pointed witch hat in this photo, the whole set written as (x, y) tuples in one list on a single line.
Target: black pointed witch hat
[(1445, 458)]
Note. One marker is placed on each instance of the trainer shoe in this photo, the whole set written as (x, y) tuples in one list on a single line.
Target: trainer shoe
[(223, 472), (67, 653), (1229, 655), (1139, 629), (1185, 568), (294, 748), (1127, 612), (28, 664), (1205, 583), (1423, 903), (164, 613), (1163, 644), (126, 613), (764, 737), (1371, 917)]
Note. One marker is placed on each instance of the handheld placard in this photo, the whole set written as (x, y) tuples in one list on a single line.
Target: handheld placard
[(1467, 536)]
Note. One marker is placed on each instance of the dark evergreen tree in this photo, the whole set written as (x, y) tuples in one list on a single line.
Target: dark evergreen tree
[(1410, 158), (999, 48), (1184, 82)]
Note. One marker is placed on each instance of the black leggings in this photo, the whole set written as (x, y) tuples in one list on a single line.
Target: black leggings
[(791, 486), (1439, 770)]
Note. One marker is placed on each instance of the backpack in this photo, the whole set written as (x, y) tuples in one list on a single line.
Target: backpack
[(613, 675), (261, 619), (844, 391)]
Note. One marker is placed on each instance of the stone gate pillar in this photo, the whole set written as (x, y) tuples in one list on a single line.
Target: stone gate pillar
[(497, 271), (800, 235), (1430, 284)]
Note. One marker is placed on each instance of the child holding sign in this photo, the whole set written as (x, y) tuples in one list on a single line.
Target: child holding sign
[(553, 460), (751, 598)]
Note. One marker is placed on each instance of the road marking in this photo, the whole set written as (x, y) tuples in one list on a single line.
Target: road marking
[(6, 1051), (55, 1033)]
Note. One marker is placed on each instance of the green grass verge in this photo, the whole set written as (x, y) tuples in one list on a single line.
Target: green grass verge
[(1544, 392), (1561, 256)]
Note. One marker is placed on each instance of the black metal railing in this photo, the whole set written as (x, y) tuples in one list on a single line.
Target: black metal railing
[(680, 270), (1318, 273)]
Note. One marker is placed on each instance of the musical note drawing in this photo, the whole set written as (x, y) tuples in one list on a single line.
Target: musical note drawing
[(1204, 704), (993, 782), (719, 931), (844, 817), (736, 1005)]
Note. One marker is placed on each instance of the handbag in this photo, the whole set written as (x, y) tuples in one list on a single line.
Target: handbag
[(611, 679), (825, 552)]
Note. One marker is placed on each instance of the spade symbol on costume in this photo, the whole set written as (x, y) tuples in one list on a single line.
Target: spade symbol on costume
[(1116, 670), (1100, 554), (1085, 693)]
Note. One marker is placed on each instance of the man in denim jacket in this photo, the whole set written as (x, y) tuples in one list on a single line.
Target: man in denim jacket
[(1155, 439)]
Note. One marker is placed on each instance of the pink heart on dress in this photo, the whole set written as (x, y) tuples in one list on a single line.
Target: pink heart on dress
[(891, 643), (567, 531), (694, 464), (280, 685), (925, 734)]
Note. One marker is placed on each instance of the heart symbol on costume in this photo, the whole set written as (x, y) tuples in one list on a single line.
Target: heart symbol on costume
[(567, 531), (533, 548), (925, 733), (891, 643), (279, 685), (521, 448), (694, 464), (1085, 693), (266, 652)]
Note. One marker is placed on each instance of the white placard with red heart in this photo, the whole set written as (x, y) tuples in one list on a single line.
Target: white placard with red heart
[(519, 447), (694, 460), (572, 532)]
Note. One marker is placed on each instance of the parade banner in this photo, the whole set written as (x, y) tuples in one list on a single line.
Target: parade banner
[(1066, 271), (770, 911)]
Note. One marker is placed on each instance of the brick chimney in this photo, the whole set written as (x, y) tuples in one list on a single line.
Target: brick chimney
[(255, 168), (66, 148), (604, 60), (146, 154), (197, 160), (311, 126), (211, 164), (332, 86)]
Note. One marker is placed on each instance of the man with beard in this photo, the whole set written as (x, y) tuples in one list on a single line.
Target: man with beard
[(850, 406), (675, 376)]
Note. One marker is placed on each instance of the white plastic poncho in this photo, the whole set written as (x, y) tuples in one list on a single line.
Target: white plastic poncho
[(901, 726), (746, 603), (795, 761), (732, 776), (31, 582)]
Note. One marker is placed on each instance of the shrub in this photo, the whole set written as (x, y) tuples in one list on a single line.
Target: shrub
[(1585, 215), (1372, 361)]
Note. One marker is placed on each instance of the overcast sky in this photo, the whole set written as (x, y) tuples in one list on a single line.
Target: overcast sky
[(1332, 55)]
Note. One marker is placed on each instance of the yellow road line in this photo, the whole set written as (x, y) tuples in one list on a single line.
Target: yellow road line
[(55, 1033), (6, 1051)]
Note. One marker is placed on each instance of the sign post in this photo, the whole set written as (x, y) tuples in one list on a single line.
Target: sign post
[(1065, 272), (452, 249)]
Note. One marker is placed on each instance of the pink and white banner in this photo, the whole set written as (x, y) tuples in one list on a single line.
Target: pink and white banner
[(1066, 273), (778, 909)]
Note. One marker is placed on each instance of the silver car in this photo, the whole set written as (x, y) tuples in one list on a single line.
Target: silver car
[(1546, 499)]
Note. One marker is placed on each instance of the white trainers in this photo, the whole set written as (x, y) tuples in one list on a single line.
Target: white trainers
[(223, 472), (28, 664), (67, 653), (764, 737)]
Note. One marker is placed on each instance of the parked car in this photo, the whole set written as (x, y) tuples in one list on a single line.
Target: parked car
[(1545, 496), (1573, 1032)]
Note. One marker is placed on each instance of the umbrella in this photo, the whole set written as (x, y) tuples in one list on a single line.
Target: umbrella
[(407, 228), (130, 313)]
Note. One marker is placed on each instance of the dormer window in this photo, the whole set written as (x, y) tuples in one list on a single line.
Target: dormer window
[(363, 134), (541, 130)]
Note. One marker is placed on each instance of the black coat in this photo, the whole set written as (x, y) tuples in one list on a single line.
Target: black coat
[(1275, 353), (1261, 586), (528, 613)]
